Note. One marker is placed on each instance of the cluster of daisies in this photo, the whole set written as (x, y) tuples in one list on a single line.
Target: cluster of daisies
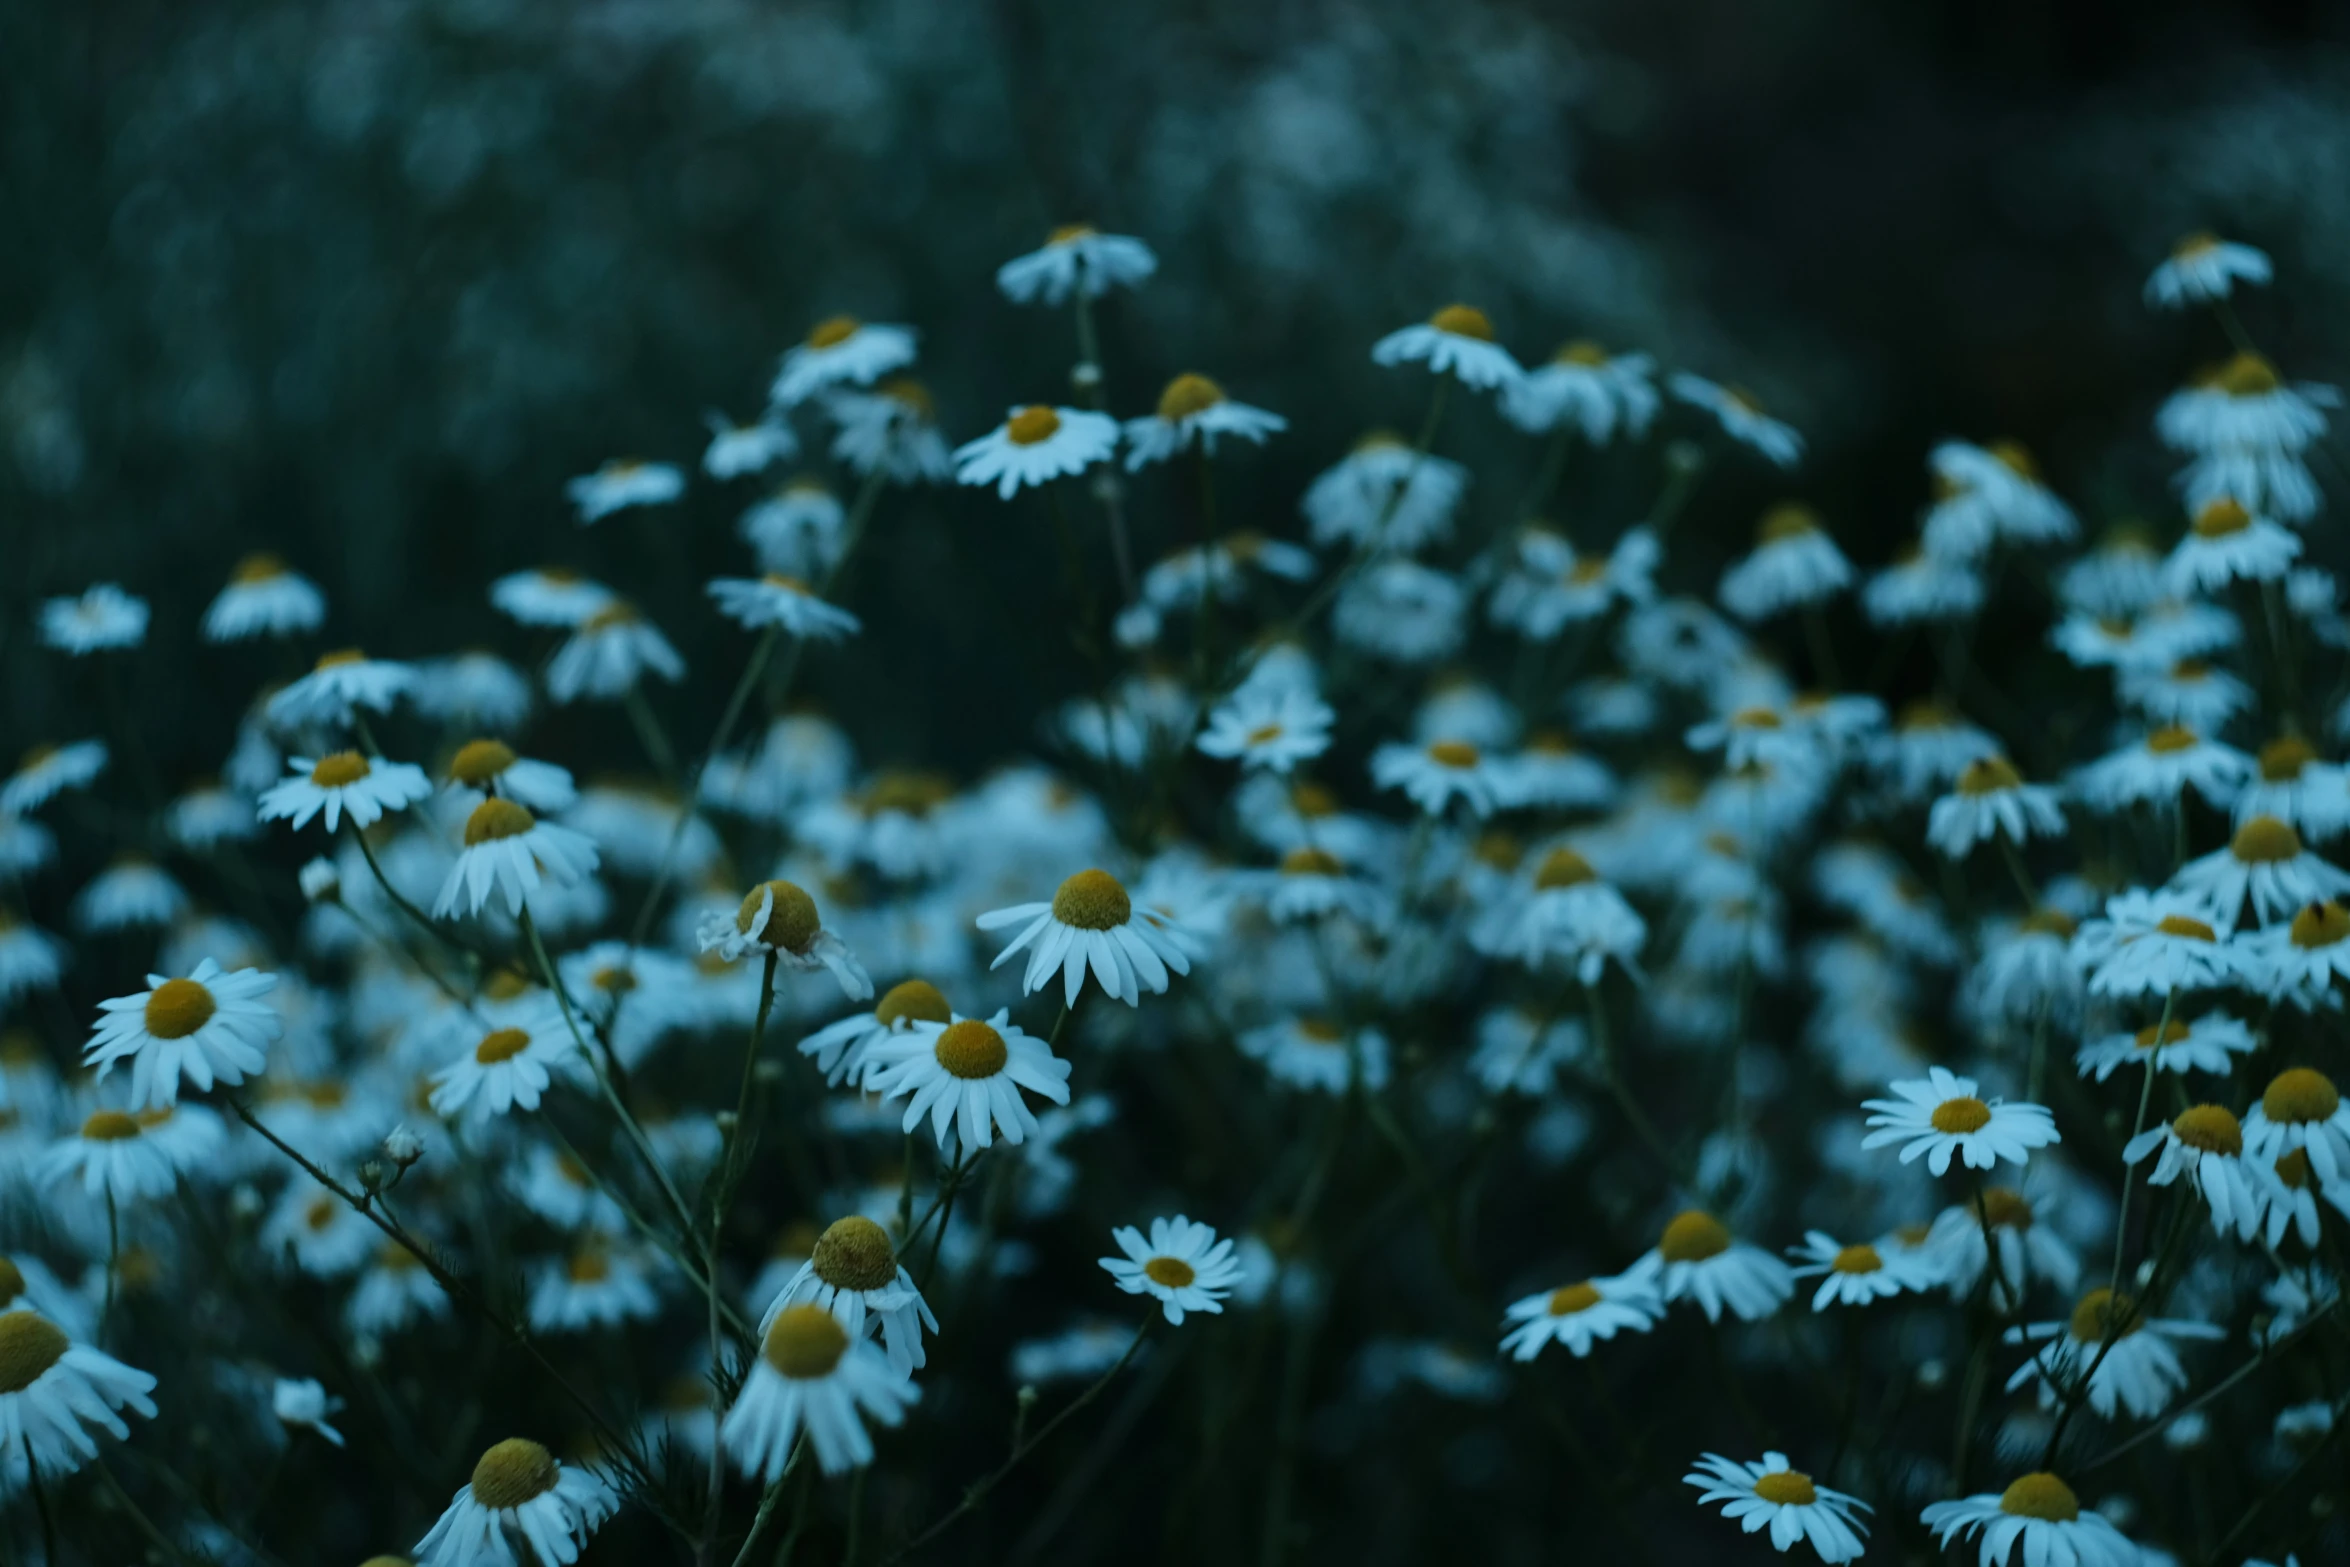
[(2061, 1027)]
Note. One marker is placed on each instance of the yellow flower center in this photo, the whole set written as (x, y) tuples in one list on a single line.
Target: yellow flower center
[(2201, 242), (1790, 520), (2264, 840), (2007, 1208), (613, 980), (29, 1345), (805, 1342), (910, 395), (1092, 900), (907, 793), (1754, 718), (501, 1044), (2282, 759), (1858, 1259), (589, 1267), (1169, 1272), (1563, 867), (2321, 925), (1032, 424), (2164, 1033), (1988, 775), (2050, 922), (833, 331), (791, 923), (2172, 738), (496, 819), (618, 613), (1070, 233), (1319, 1031), (1787, 1488), (2299, 1095), (1463, 321), (1957, 1117), (1582, 351), (261, 566), (970, 1050), (2041, 1496), (319, 1215), (2211, 1128), (1312, 800), (1186, 395), (340, 770), (2102, 1315), (479, 761), (855, 1254), (911, 1001), (2221, 517), (2015, 457), (1572, 1299), (2293, 1169), (339, 658), (1693, 1236), (1926, 714), (1311, 862), (1265, 734), (11, 1280), (177, 1008), (1458, 754), (2247, 375), (110, 1126), (2184, 928), (512, 1473)]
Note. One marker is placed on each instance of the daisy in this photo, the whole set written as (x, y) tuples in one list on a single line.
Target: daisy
[(2206, 1144), (127, 894), (1919, 589), (594, 1287), (839, 350), (1696, 1258), (1771, 1493), (114, 1158), (48, 771), (621, 483), (205, 818), (854, 1273), (1194, 409), (1568, 913), (522, 1503), (2243, 404), (891, 430), (24, 847), (2122, 576), (2210, 1043), (1457, 340), (799, 529), (265, 597), (966, 1076), (325, 1236), (209, 1026), (2301, 1110), (608, 653), (2264, 861), (1317, 1053), (340, 683), (1584, 389), (2189, 691), (1432, 776), (2298, 960), (1938, 1115), (1521, 1051), (1794, 563), (1385, 495), (843, 1051), (1091, 920), (1579, 1315), (2224, 544), (53, 1391), (2156, 943), (1984, 494), (813, 1374), (509, 850), (394, 1291), (1550, 586), (1860, 1275), (2203, 268), (2272, 481), (1550, 774), (1401, 611), (2040, 1511), (103, 617), (1741, 416), (1076, 258), (2295, 784), (304, 1405), (511, 1065), (777, 919), (1035, 445), (787, 602), (1990, 799), (2288, 1190), (30, 958), (1270, 727), (738, 449), (2029, 1242), (550, 596), (346, 783), (473, 690), (1182, 1266), (2157, 769), (485, 767), (2137, 1368)]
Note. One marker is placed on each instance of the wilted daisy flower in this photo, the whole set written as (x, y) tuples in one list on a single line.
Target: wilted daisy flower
[(967, 1076), (129, 893), (1457, 340), (1194, 410), (1579, 1315), (1582, 388), (265, 597), (777, 600), (854, 1273), (485, 767), (304, 1405), (2209, 1044), (112, 1156), (346, 783), (778, 919), (1741, 416), (594, 1286), (737, 449), (1318, 1053), (621, 483), (2156, 943), (207, 1027), (812, 1374), (550, 596), (2265, 862), (1432, 776), (521, 1501), (2041, 1512), (340, 682), (2301, 1110), (1938, 1115), (891, 430), (1920, 589), (2293, 783), (53, 1391), (1075, 258), (2203, 267), (509, 850), (1385, 495), (511, 1064), (1092, 921), (103, 617), (1860, 1275), (1181, 1265), (1697, 1259), (838, 351), (2206, 1144), (2157, 769), (1770, 1493), (1567, 913), (608, 653), (1035, 445), (1794, 563), (2136, 1366)]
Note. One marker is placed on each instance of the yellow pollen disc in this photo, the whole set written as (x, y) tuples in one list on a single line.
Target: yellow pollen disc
[(1311, 862), (1572, 1299), (2201, 242), (512, 1473), (2172, 738), (1312, 800), (832, 331), (1926, 714), (1754, 718), (2211, 1128), (855, 1254), (260, 566), (1563, 868), (495, 819), (791, 924), (1740, 397), (2282, 759), (387, 1561), (1169, 1272), (29, 1345), (1186, 395), (502, 1044), (1858, 1259), (970, 1050), (1590, 569), (340, 770), (479, 761), (1790, 520), (613, 981), (907, 793), (1265, 734), (11, 1280), (2221, 517), (912, 1001), (1582, 351), (1693, 1236), (618, 613), (2015, 457), (110, 1126), (2264, 840), (2171, 1034), (1070, 233), (1463, 321), (337, 660), (1957, 1117), (1031, 425), (2247, 375), (1092, 900), (2293, 1169), (1453, 753), (2007, 1208), (2297, 1095), (2041, 1496), (2050, 922), (177, 1008), (776, 579), (1498, 850), (505, 984), (2102, 1315), (2188, 929), (911, 395), (1988, 775), (2321, 925), (588, 1267), (1787, 1488), (1319, 1030), (804, 1342)]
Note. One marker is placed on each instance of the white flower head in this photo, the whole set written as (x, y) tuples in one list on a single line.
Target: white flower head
[(1076, 258), (1193, 411), (53, 1391), (508, 849), (1988, 800), (1385, 495), (511, 1064), (1861, 1274), (812, 1374), (1794, 563), (1581, 1314), (1091, 922), (622, 483), (1585, 389), (1698, 1259), (521, 1499), (103, 617), (739, 449), (48, 771), (265, 597), (208, 1027), (306, 1405), (1458, 341), (2203, 267), (1181, 1265), (967, 1076), (2039, 1512), (608, 653), (1938, 1116), (1036, 445), (346, 783), (2157, 943), (839, 351), (1771, 1494), (2205, 1143), (787, 602), (853, 1272), (891, 430), (778, 919), (2301, 1111), (1434, 775), (550, 596), (1741, 416), (2264, 863)]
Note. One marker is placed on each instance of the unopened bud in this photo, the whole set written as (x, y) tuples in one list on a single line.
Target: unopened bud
[(321, 882), (1085, 375), (402, 1146)]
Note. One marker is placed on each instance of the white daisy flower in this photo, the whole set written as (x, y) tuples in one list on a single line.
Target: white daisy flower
[(341, 682), (967, 1077), (103, 617), (891, 430), (843, 1051), (344, 784), (608, 653), (1697, 1259), (2206, 1144), (509, 850), (2041, 1512), (522, 1503), (2202, 268), (2121, 576), (473, 690), (2295, 784), (1034, 446), (2288, 1189), (2301, 1110), (1181, 1265), (1991, 798), (1919, 589), (206, 817), (853, 1272), (113, 1158), (2210, 1043), (2189, 692), (30, 958), (485, 767), (265, 597), (778, 919), (395, 1290), (1860, 1275), (1580, 1315), (1550, 774), (1549, 586), (738, 449), (2224, 544), (511, 1065), (1432, 776), (1401, 611), (1794, 563), (2271, 481), (1785, 1499), (1582, 388), (1385, 495), (2156, 943), (1987, 494), (778, 600), (1566, 912), (1092, 922), (621, 483), (2137, 1367), (2298, 960), (207, 1027), (2029, 1242), (839, 351), (1741, 416), (1939, 1115), (305, 1405), (799, 529), (1318, 1053), (48, 771), (128, 894), (2265, 862), (325, 1236), (1272, 727), (53, 1391), (596, 1286), (550, 596), (1457, 340), (2245, 404), (1521, 1051), (1076, 258), (812, 1374), (1194, 410), (2157, 769)]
